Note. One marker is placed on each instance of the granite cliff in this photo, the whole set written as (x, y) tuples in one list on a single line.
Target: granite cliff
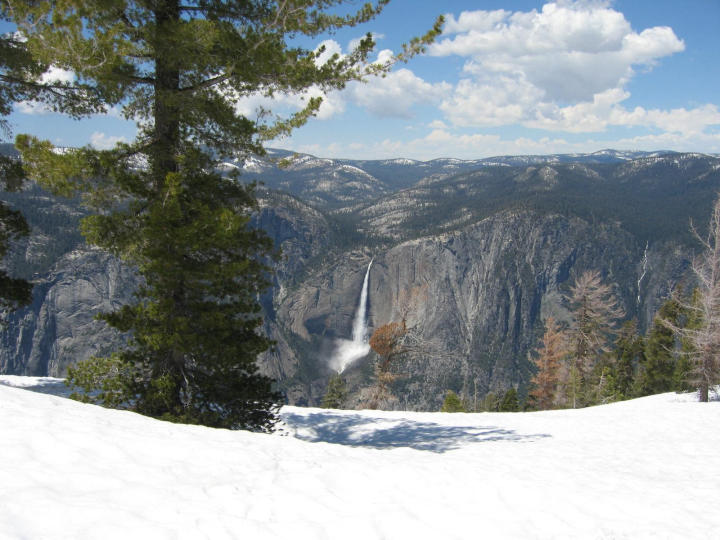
[(474, 260)]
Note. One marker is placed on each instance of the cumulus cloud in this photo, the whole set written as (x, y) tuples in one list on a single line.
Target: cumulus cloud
[(53, 75), (353, 44), (32, 107), (393, 95), (284, 104), (606, 110), (396, 94), (505, 100), (330, 48), (564, 67), (102, 141), (57, 75)]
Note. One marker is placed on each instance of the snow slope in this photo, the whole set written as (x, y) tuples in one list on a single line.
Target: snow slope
[(646, 468)]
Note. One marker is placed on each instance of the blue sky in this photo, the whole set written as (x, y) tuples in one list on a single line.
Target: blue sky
[(506, 77)]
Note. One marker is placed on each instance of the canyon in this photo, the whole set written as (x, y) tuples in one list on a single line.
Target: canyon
[(474, 255)]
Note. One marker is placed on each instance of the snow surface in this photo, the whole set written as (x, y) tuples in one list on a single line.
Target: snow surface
[(646, 468)]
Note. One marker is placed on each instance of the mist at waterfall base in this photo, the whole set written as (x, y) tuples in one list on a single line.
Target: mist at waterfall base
[(349, 350)]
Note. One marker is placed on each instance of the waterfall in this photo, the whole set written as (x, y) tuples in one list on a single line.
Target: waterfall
[(359, 334), (644, 271), (347, 351)]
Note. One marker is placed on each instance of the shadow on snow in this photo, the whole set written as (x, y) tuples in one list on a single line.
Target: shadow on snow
[(44, 385), (362, 431)]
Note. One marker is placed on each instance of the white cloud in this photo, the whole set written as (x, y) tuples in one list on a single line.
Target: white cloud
[(684, 121), (353, 43), (605, 110), (396, 93), (392, 95), (102, 141), (548, 67), (32, 107), (505, 100), (57, 75), (331, 48), (53, 75), (284, 104), (445, 143), (384, 56)]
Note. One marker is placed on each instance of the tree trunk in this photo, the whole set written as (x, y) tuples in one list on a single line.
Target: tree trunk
[(167, 85), (164, 153), (704, 392)]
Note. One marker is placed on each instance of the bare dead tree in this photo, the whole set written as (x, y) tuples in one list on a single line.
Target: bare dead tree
[(386, 342), (703, 337), (392, 342), (548, 361), (595, 311)]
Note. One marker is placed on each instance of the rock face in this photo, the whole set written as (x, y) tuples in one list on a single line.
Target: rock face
[(475, 298), (59, 327)]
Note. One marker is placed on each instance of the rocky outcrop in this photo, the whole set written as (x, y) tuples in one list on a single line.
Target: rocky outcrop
[(59, 327)]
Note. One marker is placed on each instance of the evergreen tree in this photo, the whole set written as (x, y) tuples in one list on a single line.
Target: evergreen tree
[(336, 393), (491, 402), (682, 379), (14, 292), (452, 403), (179, 69), (510, 402), (629, 349), (594, 311), (548, 362), (660, 355), (21, 78)]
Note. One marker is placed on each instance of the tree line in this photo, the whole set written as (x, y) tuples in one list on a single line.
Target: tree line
[(591, 361)]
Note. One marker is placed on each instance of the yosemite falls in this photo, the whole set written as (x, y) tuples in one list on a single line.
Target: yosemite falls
[(347, 351)]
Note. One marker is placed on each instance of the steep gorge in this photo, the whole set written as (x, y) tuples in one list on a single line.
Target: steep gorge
[(474, 262)]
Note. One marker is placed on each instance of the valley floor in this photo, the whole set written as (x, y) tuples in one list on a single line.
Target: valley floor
[(646, 468)]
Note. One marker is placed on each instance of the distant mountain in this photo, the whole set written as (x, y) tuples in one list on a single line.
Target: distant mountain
[(335, 183)]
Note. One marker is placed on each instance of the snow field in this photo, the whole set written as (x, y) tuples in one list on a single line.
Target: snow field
[(646, 468)]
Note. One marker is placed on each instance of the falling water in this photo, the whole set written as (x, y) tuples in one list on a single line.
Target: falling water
[(644, 270), (347, 351)]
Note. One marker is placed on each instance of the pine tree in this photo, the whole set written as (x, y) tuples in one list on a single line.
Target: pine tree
[(682, 378), (660, 355), (452, 403), (548, 362), (491, 402), (594, 311), (629, 349), (509, 401), (21, 80), (14, 292), (336, 394), (179, 68)]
